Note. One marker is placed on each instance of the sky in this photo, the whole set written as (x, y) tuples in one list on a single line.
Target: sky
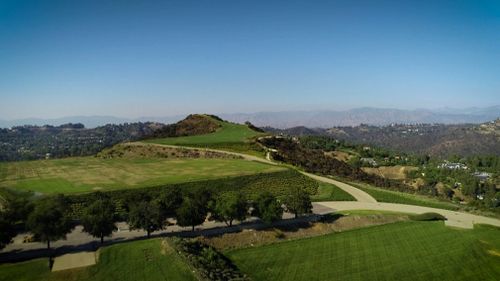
[(160, 58)]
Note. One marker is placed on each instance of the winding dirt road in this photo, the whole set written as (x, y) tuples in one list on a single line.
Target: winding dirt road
[(364, 201)]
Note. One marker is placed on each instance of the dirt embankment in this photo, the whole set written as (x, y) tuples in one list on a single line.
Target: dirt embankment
[(144, 150), (250, 238), (390, 172)]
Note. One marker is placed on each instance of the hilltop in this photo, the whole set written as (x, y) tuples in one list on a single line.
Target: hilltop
[(41, 142)]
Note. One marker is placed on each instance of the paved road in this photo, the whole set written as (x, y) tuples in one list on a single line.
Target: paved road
[(457, 219)]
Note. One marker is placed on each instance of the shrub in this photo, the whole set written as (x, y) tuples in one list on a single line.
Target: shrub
[(428, 217)]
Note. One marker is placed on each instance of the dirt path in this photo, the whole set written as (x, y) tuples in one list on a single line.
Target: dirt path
[(360, 195)]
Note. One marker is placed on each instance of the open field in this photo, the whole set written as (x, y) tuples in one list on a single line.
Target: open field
[(399, 251), (84, 174), (390, 196), (231, 137), (330, 192), (139, 260)]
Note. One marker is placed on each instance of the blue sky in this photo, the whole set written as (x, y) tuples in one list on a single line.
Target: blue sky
[(159, 58)]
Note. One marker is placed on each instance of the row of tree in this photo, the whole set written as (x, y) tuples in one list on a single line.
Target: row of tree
[(48, 219)]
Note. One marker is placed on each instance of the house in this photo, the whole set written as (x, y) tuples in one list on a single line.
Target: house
[(452, 166), (369, 161)]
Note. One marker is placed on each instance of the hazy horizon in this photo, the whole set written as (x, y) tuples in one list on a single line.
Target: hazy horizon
[(164, 58)]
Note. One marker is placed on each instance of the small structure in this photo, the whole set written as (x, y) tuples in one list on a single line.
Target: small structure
[(369, 161), (482, 176)]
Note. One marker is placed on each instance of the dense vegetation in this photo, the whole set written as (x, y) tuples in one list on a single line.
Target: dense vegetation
[(426, 173), (315, 161), (425, 139), (34, 142), (399, 251), (209, 264), (277, 183)]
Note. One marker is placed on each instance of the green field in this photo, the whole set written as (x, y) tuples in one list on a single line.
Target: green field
[(330, 192), (231, 137), (84, 174), (390, 196), (399, 251), (140, 260)]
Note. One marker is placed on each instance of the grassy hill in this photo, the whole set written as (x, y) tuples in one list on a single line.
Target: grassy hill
[(141, 260), (399, 251), (227, 136), (84, 174)]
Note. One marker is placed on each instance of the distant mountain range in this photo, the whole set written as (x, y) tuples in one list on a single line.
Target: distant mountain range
[(287, 119), (366, 115), (88, 121)]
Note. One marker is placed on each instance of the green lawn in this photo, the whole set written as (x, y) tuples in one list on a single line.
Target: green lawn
[(390, 196), (399, 251), (140, 260), (231, 137), (330, 192), (83, 174)]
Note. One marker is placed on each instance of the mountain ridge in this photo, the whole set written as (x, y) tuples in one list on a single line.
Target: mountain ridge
[(306, 118)]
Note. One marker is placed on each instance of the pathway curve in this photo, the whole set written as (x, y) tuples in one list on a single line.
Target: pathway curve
[(456, 219), (366, 202)]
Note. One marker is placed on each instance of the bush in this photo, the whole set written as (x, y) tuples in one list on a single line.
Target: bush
[(208, 262), (428, 217)]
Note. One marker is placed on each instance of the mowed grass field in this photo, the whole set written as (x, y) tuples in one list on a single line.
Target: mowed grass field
[(141, 260), (398, 251), (84, 174)]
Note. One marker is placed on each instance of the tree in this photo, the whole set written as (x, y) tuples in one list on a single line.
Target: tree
[(146, 215), (7, 231), (298, 201), (230, 206), (99, 218), (268, 208), (192, 212), (168, 201), (49, 220)]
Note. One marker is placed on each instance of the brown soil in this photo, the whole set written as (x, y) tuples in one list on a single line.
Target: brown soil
[(144, 150), (250, 238), (390, 172), (339, 155)]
